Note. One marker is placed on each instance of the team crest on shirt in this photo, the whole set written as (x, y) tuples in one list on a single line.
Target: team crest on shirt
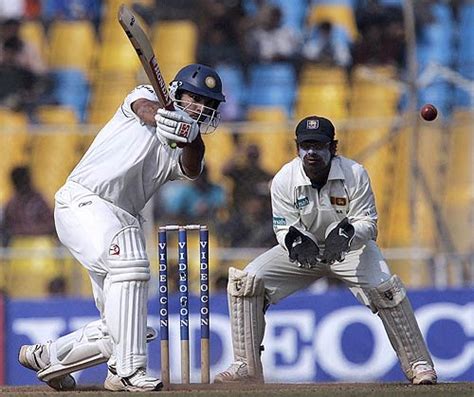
[(114, 249), (302, 202)]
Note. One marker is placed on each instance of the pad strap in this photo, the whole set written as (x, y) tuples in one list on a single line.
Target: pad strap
[(398, 318)]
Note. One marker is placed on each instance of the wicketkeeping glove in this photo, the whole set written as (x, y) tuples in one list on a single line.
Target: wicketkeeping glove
[(338, 242), (301, 248), (175, 126)]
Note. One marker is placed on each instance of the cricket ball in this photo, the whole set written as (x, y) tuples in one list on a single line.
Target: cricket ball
[(428, 112)]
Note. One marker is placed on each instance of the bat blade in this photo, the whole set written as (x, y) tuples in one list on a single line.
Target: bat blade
[(142, 46)]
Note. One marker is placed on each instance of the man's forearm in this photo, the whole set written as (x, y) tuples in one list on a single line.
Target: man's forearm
[(192, 156), (146, 110)]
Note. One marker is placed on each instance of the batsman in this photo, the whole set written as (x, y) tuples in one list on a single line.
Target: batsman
[(325, 221), (97, 217)]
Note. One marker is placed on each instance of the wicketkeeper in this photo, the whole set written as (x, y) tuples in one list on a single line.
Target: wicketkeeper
[(325, 221), (97, 218)]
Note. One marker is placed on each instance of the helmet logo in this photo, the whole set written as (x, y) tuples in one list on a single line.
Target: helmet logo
[(210, 82)]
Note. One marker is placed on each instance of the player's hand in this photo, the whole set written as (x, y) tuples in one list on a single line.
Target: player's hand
[(175, 126), (338, 242), (301, 249)]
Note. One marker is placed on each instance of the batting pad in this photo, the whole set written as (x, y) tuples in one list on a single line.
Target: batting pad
[(80, 349), (246, 308), (126, 300), (397, 316)]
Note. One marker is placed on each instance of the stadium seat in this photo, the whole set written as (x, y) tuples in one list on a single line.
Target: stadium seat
[(174, 43), (324, 99), (33, 32), (458, 197), (279, 83), (108, 94), (72, 89), (55, 152), (13, 148), (64, 37), (311, 73), (272, 136), (220, 148), (440, 94), (35, 266), (52, 114), (338, 14), (234, 90)]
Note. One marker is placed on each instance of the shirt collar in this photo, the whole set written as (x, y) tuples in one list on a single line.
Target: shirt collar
[(335, 172)]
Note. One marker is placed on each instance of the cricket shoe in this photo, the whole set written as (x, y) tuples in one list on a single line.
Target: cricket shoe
[(36, 357), (237, 372), (138, 382), (423, 374)]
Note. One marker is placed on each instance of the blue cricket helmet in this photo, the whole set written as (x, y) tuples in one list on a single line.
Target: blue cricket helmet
[(201, 80)]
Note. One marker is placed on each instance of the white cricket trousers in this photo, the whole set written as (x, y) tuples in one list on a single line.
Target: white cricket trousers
[(86, 225), (362, 269)]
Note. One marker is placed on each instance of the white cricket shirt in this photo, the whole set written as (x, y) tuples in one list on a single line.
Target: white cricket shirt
[(126, 163), (347, 193)]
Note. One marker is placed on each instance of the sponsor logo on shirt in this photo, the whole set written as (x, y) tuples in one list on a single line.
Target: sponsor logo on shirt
[(279, 221), (338, 201), (84, 203), (114, 249), (302, 202)]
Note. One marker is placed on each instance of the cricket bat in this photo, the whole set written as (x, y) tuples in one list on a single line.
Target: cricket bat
[(147, 57)]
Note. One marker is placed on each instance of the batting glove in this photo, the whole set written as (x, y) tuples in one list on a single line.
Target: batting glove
[(301, 248), (175, 126), (338, 242)]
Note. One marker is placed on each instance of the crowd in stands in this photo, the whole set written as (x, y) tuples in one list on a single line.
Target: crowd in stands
[(260, 48)]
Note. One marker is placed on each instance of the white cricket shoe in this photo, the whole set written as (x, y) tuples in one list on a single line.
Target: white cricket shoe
[(36, 357), (138, 382), (237, 372), (423, 374)]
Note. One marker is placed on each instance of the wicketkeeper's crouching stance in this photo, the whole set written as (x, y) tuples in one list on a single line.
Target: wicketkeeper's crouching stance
[(325, 221)]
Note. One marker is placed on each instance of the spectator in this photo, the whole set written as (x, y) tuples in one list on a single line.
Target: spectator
[(182, 202), (27, 213), (222, 27), (27, 55), (248, 179), (166, 10), (269, 41), (326, 45), (250, 227), (16, 82)]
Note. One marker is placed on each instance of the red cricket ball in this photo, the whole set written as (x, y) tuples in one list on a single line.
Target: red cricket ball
[(428, 112)]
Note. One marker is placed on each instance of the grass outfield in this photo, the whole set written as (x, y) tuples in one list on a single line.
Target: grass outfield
[(268, 390)]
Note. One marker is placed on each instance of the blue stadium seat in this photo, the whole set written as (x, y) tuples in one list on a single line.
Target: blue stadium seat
[(435, 45), (234, 90), (466, 34), (440, 94), (71, 89), (272, 85)]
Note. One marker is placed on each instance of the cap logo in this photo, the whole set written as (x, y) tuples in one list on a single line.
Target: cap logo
[(312, 124), (210, 82)]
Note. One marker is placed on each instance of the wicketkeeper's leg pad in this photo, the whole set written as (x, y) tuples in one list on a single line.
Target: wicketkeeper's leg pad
[(246, 308), (126, 299), (396, 312)]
